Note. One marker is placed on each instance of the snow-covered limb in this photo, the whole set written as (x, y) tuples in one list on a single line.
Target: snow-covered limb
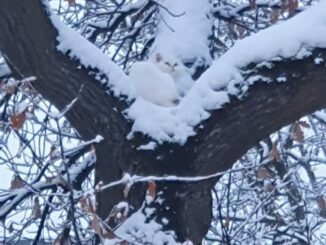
[(61, 114), (176, 124), (90, 56), (216, 85), (73, 153), (129, 180)]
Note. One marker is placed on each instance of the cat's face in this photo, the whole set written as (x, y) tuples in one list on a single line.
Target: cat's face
[(169, 65)]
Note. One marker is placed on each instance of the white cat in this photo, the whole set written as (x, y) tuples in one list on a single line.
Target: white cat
[(171, 65), (154, 85)]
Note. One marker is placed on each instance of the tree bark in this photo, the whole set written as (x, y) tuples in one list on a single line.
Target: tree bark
[(28, 39), (29, 42)]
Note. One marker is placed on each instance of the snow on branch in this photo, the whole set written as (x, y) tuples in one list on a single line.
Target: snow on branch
[(294, 39), (90, 56)]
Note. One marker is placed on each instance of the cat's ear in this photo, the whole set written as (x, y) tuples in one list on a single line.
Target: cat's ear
[(158, 58)]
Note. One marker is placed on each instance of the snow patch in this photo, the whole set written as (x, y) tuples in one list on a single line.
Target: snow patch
[(137, 230), (281, 79), (150, 146), (98, 139), (319, 61)]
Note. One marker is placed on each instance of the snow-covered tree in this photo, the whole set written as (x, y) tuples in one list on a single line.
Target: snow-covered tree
[(212, 167)]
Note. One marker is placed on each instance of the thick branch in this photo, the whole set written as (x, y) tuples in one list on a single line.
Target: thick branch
[(28, 39), (230, 132)]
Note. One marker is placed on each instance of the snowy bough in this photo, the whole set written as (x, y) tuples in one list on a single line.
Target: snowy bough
[(211, 167)]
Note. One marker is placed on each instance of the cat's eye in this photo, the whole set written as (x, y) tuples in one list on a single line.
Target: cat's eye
[(176, 64), (167, 63)]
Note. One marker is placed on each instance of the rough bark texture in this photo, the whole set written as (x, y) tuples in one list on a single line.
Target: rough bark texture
[(28, 40)]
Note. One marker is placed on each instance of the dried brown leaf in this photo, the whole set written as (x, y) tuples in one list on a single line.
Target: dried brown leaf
[(109, 235), (87, 205), (71, 2), (297, 133), (96, 226), (253, 4), (37, 208), (151, 189), (91, 205), (16, 183), (321, 202), (269, 187), (62, 182), (275, 154), (292, 6), (240, 30), (274, 15), (11, 228), (52, 152), (263, 173), (284, 6), (17, 120), (322, 206), (60, 240), (304, 124), (10, 89), (49, 180), (232, 27), (83, 204)]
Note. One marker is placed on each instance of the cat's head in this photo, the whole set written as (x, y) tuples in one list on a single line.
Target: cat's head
[(169, 64)]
